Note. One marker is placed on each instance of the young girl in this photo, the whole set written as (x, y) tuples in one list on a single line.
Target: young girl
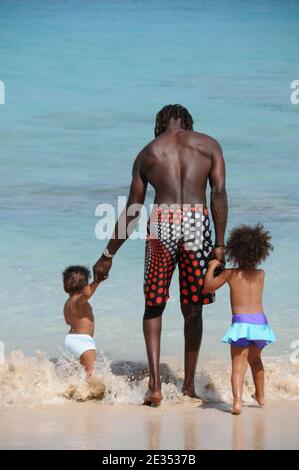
[(249, 332)]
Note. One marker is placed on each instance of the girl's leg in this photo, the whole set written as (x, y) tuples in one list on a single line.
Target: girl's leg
[(239, 365), (87, 360), (257, 369)]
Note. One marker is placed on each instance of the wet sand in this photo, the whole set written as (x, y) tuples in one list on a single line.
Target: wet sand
[(190, 425)]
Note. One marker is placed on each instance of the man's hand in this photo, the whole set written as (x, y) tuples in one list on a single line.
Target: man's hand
[(218, 253), (101, 268)]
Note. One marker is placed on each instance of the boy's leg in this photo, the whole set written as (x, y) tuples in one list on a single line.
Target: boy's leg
[(87, 359), (193, 334), (257, 369), (239, 357)]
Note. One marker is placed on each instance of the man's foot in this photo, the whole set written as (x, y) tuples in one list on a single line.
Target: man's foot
[(259, 398), (190, 392), (237, 407), (153, 398)]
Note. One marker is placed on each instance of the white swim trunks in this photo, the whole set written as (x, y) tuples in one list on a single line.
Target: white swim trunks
[(77, 344)]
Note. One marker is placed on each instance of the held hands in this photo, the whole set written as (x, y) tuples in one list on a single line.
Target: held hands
[(101, 268), (217, 264), (218, 253), (214, 263)]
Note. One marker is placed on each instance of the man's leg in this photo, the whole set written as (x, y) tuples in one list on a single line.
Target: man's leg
[(193, 334), (152, 325), (194, 252)]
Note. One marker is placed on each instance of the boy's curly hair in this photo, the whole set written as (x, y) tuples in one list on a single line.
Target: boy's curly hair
[(75, 278), (248, 246)]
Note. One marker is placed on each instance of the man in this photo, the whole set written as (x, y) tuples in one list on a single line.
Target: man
[(178, 164)]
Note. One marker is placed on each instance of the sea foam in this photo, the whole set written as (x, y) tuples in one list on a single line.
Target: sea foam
[(36, 380)]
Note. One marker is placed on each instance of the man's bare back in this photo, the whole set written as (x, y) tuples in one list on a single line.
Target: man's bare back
[(178, 164)]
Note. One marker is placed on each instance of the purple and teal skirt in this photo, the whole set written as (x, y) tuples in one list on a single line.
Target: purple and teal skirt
[(249, 329)]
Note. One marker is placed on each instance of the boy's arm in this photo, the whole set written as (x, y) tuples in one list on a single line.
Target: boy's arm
[(88, 291), (213, 283)]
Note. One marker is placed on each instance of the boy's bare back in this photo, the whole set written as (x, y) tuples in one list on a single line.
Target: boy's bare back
[(78, 314)]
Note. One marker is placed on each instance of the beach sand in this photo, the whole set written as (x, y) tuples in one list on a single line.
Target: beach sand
[(190, 425)]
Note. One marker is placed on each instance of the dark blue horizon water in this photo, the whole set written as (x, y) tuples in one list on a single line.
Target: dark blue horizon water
[(84, 81)]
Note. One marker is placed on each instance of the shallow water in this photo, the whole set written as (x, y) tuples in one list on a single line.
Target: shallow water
[(83, 83)]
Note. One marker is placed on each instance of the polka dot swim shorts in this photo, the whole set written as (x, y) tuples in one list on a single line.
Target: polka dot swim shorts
[(180, 236)]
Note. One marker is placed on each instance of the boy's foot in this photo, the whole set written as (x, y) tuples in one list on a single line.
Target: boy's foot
[(97, 387), (153, 398), (259, 398), (237, 407)]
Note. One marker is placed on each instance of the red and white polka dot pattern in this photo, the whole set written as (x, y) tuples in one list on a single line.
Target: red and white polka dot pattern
[(183, 237)]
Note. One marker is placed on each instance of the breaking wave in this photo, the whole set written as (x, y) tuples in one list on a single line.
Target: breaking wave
[(31, 381)]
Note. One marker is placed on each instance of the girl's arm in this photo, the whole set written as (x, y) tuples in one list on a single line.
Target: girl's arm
[(213, 283)]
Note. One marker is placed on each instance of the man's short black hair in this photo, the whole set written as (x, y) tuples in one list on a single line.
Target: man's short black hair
[(175, 111), (75, 278)]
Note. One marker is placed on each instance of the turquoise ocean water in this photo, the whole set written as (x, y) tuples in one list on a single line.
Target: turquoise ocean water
[(84, 80)]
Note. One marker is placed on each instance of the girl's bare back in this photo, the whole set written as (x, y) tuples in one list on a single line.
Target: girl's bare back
[(246, 290)]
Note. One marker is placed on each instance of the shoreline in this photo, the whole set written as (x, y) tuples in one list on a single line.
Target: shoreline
[(190, 425)]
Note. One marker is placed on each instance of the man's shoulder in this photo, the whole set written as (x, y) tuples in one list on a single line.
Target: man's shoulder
[(150, 150), (204, 139), (156, 146)]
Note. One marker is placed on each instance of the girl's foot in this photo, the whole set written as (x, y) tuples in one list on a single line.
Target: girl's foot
[(259, 398), (237, 407)]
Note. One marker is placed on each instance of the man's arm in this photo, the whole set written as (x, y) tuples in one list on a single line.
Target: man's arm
[(136, 196), (219, 207), (120, 235)]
